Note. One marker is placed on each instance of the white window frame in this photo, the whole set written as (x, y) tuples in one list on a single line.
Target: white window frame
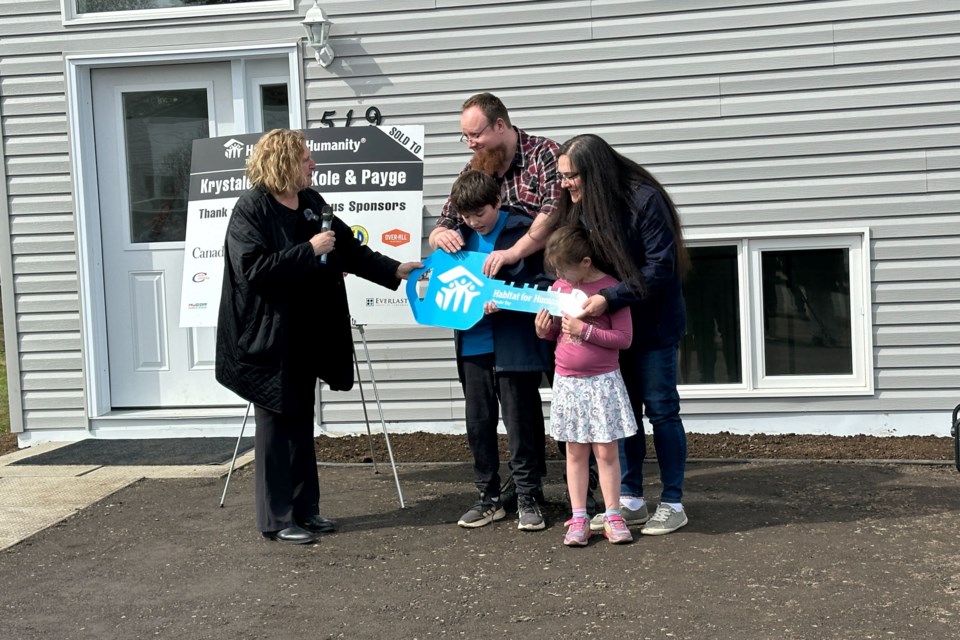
[(755, 383), (70, 15)]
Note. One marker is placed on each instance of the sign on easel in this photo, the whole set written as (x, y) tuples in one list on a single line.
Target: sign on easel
[(371, 176)]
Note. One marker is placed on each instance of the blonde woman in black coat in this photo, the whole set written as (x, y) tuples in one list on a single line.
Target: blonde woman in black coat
[(284, 324)]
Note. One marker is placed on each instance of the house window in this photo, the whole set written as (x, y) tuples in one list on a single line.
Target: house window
[(99, 11), (159, 130), (711, 351), (800, 325), (274, 106)]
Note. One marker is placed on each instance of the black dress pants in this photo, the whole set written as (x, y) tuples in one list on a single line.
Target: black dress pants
[(285, 466), (517, 393)]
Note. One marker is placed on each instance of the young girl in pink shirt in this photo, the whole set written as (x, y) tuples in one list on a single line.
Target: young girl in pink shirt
[(590, 409)]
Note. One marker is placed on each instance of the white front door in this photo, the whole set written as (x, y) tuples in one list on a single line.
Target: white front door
[(145, 120)]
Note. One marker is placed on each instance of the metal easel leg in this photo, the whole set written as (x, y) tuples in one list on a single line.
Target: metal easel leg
[(246, 414), (376, 395), (366, 418)]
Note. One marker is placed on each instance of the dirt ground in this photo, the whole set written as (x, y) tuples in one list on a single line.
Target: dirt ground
[(432, 447), (789, 550)]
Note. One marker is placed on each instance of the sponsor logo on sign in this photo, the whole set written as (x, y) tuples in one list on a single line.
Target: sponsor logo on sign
[(232, 149), (360, 234), (395, 237), (200, 277), (197, 305), (386, 302)]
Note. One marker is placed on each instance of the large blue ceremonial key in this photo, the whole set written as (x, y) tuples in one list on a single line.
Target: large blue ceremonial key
[(457, 291)]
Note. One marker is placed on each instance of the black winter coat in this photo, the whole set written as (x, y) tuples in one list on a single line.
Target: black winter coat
[(284, 320)]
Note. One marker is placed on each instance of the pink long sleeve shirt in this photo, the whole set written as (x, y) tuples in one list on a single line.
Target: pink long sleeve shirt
[(597, 349)]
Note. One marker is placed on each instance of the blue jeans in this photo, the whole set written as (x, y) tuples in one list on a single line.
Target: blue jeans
[(651, 381)]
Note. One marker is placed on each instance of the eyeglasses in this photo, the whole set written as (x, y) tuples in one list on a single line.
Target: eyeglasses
[(470, 137), (567, 177)]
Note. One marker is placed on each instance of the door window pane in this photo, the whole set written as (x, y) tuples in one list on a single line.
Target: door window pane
[(100, 6), (159, 128), (276, 107), (710, 352), (806, 312)]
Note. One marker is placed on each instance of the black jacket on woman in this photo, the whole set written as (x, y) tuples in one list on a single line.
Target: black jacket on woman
[(284, 320)]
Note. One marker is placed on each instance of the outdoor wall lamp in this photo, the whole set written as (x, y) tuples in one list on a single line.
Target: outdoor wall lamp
[(317, 27)]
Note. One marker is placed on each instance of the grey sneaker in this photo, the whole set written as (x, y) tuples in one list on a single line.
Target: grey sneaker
[(664, 520), (484, 511), (531, 519), (632, 517)]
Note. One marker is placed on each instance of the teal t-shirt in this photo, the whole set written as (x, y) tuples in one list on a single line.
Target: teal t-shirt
[(478, 339)]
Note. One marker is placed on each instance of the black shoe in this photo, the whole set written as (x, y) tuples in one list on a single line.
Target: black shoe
[(531, 519), (291, 535), (484, 511), (318, 524)]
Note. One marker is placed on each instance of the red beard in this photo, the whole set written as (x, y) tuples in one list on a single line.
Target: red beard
[(489, 160)]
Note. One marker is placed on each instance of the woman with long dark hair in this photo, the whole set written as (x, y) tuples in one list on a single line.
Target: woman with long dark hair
[(635, 229)]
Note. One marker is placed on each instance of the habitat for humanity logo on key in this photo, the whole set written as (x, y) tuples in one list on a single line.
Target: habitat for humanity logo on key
[(461, 288)]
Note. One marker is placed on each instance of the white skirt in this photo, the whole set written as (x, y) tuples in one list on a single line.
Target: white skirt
[(592, 409)]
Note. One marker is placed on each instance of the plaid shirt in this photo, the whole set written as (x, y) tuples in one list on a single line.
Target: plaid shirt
[(530, 183)]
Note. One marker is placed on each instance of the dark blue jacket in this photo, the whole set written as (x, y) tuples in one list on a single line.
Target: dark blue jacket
[(659, 316), (516, 346)]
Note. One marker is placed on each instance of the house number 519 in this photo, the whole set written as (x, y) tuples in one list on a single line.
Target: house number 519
[(372, 115)]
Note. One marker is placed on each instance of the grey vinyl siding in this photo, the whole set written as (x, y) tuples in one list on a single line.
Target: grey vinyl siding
[(760, 115)]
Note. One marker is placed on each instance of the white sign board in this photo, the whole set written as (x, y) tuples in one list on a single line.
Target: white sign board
[(371, 176)]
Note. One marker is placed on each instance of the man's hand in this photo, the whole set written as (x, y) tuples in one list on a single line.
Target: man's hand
[(447, 239), (595, 305), (490, 307), (497, 260), (403, 271)]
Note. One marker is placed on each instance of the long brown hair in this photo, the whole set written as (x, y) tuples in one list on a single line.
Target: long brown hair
[(608, 182)]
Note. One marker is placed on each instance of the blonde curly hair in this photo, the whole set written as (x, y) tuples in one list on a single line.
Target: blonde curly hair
[(275, 164)]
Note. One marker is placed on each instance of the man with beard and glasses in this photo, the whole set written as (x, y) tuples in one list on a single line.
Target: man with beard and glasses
[(525, 166)]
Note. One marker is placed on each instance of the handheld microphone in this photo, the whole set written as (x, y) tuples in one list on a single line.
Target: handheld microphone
[(326, 221)]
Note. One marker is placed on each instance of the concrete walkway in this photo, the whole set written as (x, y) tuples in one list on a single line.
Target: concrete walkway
[(34, 497)]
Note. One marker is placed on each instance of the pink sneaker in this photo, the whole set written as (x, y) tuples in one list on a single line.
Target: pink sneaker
[(615, 529), (578, 532)]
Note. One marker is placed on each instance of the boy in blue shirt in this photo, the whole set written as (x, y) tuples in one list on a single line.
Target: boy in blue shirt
[(500, 361)]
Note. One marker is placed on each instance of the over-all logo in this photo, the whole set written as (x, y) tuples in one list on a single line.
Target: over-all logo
[(232, 149), (395, 237), (461, 288), (360, 234)]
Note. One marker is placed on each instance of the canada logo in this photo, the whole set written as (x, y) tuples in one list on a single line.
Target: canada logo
[(395, 237)]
